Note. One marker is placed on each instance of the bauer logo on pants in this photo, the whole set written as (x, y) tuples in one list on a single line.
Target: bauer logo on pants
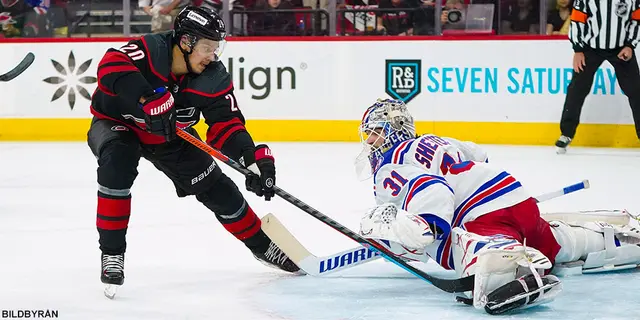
[(403, 79)]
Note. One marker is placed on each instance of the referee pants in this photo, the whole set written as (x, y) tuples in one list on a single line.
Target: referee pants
[(628, 77)]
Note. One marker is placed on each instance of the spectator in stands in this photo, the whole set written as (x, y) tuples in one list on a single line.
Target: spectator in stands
[(396, 22), (452, 6), (352, 23), (295, 3), (272, 22), (242, 4), (558, 19), (215, 5), (162, 12), (321, 20), (522, 18)]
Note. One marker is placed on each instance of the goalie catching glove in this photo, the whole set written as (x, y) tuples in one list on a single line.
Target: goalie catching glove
[(388, 222)]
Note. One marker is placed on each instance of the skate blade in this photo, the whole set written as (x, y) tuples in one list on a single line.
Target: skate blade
[(110, 290), (300, 272), (561, 150)]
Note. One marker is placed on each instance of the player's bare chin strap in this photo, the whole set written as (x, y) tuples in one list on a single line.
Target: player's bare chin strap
[(185, 55)]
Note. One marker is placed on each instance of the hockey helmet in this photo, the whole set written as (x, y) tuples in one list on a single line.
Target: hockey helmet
[(384, 124), (200, 23)]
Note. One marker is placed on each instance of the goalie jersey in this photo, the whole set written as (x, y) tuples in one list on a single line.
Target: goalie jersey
[(444, 193)]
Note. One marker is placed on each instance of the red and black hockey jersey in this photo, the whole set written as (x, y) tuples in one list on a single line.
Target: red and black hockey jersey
[(142, 65)]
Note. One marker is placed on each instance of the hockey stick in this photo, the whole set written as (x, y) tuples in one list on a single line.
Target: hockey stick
[(584, 184), (448, 285), (320, 266), (20, 68)]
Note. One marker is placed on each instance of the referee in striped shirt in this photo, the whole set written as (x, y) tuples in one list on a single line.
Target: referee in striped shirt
[(601, 30)]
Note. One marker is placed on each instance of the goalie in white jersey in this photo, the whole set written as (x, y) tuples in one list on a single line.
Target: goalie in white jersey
[(437, 197)]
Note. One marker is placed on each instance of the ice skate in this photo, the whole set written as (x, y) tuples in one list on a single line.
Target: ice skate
[(112, 274), (272, 256), (562, 144)]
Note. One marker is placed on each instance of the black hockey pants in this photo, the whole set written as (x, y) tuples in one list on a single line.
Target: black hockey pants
[(193, 172)]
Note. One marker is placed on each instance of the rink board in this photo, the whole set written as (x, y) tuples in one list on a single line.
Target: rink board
[(491, 90)]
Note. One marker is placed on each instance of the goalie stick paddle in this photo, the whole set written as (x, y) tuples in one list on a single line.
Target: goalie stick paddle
[(448, 285), (20, 68), (321, 266)]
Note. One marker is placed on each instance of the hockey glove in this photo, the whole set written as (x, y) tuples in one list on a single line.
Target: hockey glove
[(160, 115), (263, 161)]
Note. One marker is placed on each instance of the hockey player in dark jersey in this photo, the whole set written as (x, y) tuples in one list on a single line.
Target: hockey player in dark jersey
[(145, 89)]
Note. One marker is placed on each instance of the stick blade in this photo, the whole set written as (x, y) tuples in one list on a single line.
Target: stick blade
[(279, 234), (21, 67)]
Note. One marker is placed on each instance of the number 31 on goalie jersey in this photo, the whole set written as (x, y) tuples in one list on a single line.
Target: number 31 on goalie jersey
[(395, 182)]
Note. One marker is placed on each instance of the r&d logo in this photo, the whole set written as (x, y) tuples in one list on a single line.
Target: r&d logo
[(403, 79)]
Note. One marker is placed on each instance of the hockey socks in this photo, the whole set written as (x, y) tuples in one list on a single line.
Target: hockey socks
[(112, 221), (243, 224)]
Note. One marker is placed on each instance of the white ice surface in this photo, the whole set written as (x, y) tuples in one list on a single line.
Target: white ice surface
[(181, 264)]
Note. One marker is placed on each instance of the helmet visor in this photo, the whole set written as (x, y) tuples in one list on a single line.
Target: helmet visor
[(210, 48)]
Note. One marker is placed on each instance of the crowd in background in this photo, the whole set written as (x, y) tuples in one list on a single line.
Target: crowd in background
[(100, 18)]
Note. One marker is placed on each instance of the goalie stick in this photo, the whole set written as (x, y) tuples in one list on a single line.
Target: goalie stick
[(448, 285), (584, 184), (20, 68), (320, 266)]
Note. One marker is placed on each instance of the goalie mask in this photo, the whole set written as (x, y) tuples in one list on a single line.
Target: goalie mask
[(386, 123)]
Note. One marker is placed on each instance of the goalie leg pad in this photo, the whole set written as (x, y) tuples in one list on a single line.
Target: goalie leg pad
[(595, 247), (525, 292), (618, 217), (495, 261)]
